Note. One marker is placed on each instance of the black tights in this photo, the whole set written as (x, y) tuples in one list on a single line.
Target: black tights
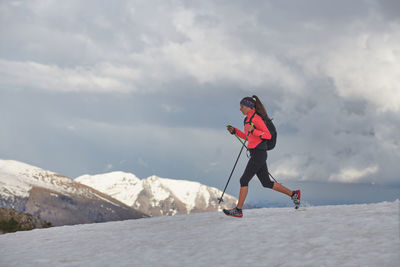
[(257, 165)]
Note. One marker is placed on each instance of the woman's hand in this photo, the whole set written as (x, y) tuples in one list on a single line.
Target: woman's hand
[(231, 129)]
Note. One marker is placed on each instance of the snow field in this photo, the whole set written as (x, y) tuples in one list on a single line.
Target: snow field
[(346, 235)]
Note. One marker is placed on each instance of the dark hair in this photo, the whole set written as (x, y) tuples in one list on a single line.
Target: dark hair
[(258, 106)]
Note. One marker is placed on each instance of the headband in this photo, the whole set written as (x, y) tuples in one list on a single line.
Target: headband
[(247, 103)]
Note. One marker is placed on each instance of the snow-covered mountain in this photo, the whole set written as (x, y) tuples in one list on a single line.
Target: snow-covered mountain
[(342, 235), (158, 196), (56, 198)]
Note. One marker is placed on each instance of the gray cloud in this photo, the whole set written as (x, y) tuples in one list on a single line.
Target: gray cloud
[(149, 87)]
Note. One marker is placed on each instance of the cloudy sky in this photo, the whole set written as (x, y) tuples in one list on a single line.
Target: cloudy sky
[(148, 86)]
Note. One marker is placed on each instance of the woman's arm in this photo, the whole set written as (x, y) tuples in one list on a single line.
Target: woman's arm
[(240, 133), (260, 129)]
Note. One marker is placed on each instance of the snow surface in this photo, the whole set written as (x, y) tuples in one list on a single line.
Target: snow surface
[(346, 235)]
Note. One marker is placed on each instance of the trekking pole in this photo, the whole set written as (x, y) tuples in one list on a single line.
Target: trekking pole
[(272, 177), (241, 141), (244, 144)]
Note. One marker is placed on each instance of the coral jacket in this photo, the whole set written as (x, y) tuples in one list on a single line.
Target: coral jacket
[(260, 132)]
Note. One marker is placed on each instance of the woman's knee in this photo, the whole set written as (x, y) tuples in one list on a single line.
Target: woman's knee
[(268, 184), (244, 181)]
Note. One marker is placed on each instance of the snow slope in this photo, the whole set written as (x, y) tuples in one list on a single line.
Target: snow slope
[(347, 235)]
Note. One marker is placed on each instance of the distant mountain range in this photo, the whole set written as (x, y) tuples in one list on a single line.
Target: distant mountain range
[(99, 198), (56, 198), (158, 196)]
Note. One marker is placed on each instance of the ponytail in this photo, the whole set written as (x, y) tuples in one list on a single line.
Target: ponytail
[(260, 107)]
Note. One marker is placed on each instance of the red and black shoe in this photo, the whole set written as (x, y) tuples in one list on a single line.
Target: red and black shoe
[(296, 198), (235, 212)]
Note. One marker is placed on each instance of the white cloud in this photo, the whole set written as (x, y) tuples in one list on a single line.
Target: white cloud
[(99, 78), (286, 173), (352, 175), (207, 54), (363, 65), (212, 55), (171, 108)]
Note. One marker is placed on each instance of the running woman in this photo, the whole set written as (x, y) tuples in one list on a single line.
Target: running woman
[(257, 165)]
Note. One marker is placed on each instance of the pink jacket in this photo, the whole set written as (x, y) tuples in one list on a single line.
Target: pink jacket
[(260, 130)]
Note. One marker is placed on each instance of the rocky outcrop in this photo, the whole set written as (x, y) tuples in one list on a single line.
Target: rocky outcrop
[(63, 209), (12, 221)]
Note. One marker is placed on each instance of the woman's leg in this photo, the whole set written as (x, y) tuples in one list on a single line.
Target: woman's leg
[(263, 176), (282, 189), (254, 164), (242, 196)]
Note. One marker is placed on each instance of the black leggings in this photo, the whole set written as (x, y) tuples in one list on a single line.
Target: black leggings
[(257, 165)]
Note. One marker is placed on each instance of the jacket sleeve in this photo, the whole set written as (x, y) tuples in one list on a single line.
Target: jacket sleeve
[(240, 133), (260, 129)]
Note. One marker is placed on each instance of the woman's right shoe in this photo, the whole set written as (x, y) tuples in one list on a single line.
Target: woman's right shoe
[(235, 212)]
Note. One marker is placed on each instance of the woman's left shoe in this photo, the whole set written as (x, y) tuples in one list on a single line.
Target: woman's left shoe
[(235, 212), (296, 198)]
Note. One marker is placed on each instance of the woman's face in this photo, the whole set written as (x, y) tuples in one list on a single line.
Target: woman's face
[(244, 109)]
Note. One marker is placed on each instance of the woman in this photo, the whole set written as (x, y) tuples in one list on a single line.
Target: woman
[(256, 136)]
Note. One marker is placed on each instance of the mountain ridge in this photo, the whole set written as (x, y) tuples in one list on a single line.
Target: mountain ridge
[(157, 196), (57, 198), (28, 188)]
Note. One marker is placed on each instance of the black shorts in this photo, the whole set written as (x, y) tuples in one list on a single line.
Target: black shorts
[(257, 165)]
